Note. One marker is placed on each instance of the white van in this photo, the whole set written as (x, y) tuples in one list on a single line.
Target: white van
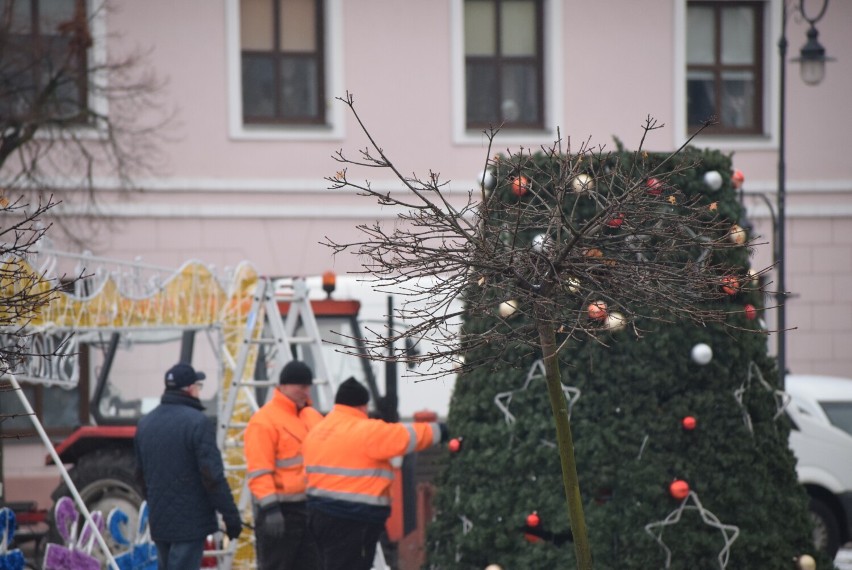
[(821, 413)]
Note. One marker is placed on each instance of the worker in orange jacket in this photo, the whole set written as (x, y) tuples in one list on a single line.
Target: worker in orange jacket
[(347, 459), (276, 472)]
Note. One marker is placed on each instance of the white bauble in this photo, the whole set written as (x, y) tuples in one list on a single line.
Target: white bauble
[(508, 308), (702, 353), (615, 321), (487, 180), (582, 183), (807, 562), (540, 243), (713, 180), (493, 567)]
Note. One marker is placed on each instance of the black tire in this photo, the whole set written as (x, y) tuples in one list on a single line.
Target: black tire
[(826, 533), (105, 479)]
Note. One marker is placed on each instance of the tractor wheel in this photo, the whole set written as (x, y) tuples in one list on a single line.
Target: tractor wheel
[(105, 479)]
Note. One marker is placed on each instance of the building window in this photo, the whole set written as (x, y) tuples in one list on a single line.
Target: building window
[(281, 45), (43, 68), (724, 66), (503, 47)]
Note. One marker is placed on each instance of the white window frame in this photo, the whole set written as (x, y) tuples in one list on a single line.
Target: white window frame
[(553, 81), (334, 113), (769, 139)]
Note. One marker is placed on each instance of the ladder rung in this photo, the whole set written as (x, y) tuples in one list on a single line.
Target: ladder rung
[(303, 340), (235, 467), (257, 383)]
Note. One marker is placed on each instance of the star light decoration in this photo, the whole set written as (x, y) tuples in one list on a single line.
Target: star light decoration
[(503, 399), (729, 532), (782, 398)]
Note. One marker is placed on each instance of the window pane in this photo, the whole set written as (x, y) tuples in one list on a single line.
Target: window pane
[(700, 39), (256, 29), (61, 407), (737, 35), (258, 86), (298, 87), (700, 97), (520, 94), (481, 90), (52, 13), (517, 28), (839, 414), (737, 99), (298, 25), (10, 403), (479, 28), (21, 16)]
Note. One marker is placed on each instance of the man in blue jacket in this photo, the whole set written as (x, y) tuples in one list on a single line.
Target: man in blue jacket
[(182, 473)]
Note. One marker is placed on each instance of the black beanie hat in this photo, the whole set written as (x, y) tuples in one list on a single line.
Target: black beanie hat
[(296, 372), (352, 393)]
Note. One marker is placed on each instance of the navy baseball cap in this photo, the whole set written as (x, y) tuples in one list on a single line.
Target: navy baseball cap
[(182, 375)]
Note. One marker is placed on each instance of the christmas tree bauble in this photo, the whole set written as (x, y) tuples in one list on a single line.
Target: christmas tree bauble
[(520, 185), (582, 183), (679, 489), (713, 180), (508, 308), (702, 353), (487, 180)]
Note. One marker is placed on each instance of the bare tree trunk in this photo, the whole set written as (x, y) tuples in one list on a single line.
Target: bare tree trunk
[(565, 442)]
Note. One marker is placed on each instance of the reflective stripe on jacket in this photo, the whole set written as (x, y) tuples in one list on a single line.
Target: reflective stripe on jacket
[(273, 448), (347, 456)]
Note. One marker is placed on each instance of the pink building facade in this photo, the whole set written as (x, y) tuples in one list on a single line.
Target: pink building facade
[(236, 187)]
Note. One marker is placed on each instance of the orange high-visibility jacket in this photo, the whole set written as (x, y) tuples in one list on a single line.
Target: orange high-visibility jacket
[(347, 456), (273, 448)]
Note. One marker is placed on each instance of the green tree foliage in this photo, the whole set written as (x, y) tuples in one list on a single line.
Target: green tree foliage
[(630, 444)]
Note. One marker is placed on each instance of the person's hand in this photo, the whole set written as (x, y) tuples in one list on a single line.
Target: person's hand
[(233, 528), (272, 522)]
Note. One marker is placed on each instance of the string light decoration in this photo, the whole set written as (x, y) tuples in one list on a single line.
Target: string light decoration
[(782, 398)]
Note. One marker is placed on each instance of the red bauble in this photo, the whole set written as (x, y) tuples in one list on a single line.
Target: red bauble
[(533, 520), (531, 538), (455, 445), (655, 187), (688, 423), (737, 179), (750, 312), (616, 221), (730, 285), (597, 310), (679, 489), (520, 185)]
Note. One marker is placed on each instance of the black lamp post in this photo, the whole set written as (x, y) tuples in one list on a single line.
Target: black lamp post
[(812, 60)]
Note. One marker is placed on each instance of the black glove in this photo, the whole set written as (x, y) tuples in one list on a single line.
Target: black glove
[(445, 432), (233, 527), (271, 522)]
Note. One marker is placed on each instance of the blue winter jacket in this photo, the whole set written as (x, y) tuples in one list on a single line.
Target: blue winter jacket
[(182, 471)]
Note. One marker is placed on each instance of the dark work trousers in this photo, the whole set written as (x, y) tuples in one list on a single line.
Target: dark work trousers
[(179, 555), (344, 544), (296, 551)]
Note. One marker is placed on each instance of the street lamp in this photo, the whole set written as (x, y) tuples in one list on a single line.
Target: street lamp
[(812, 61)]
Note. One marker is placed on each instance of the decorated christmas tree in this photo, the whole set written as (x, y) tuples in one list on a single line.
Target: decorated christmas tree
[(680, 437), (597, 287)]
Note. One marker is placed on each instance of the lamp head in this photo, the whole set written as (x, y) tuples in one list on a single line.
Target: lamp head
[(812, 59)]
